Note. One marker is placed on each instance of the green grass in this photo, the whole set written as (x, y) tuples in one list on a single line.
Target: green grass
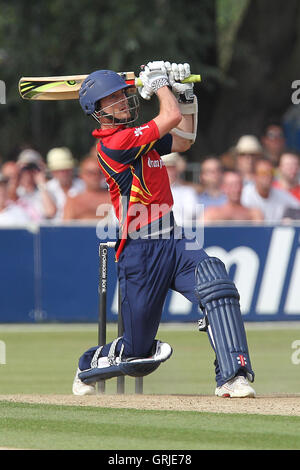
[(68, 427), (43, 359)]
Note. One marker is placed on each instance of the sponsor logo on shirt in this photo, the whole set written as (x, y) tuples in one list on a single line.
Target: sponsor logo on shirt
[(155, 163), (139, 130)]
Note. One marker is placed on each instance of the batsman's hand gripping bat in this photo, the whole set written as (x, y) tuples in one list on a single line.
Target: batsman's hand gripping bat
[(67, 87)]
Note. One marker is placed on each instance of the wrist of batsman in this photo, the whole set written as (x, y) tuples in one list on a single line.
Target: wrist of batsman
[(159, 83)]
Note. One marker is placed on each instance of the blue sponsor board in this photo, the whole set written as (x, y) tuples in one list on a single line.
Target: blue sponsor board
[(17, 275), (264, 262), (52, 274)]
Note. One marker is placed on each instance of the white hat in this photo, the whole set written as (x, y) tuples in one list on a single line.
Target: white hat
[(28, 156), (171, 159), (60, 158), (248, 144)]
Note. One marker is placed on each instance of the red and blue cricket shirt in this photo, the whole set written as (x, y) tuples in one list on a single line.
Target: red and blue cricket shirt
[(137, 178)]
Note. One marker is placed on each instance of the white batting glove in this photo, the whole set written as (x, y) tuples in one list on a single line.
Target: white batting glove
[(178, 71), (145, 91), (153, 77), (184, 92), (157, 65)]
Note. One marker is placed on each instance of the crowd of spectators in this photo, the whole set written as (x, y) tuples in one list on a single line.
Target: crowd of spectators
[(55, 189), (257, 180)]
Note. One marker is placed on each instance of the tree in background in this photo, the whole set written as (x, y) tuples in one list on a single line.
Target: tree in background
[(246, 51), (62, 37), (264, 63)]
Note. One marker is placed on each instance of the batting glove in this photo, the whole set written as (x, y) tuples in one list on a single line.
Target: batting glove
[(177, 72), (153, 77)]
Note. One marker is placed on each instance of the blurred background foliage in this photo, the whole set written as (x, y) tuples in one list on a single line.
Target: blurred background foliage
[(247, 52)]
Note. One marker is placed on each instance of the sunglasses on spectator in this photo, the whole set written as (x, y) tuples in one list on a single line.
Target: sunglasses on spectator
[(91, 172), (264, 172), (274, 135)]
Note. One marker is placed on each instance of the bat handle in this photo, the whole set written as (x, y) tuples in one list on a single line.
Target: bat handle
[(190, 79)]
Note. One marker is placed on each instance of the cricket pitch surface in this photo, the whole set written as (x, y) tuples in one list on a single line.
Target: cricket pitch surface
[(288, 405)]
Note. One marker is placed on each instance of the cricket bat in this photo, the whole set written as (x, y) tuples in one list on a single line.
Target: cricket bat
[(67, 87)]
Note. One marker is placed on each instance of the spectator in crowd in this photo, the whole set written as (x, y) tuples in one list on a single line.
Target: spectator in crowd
[(32, 191), (271, 201), (93, 152), (184, 195), (63, 183), (211, 176), (247, 150), (290, 214), (11, 171), (273, 142), (94, 202), (11, 213), (232, 209), (288, 173), (228, 159)]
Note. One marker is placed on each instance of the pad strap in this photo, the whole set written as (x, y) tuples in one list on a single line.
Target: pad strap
[(112, 351), (94, 361), (135, 367)]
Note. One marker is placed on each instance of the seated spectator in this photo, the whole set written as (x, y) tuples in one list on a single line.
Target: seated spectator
[(93, 152), (273, 142), (288, 173), (271, 201), (228, 159), (32, 190), (11, 171), (291, 214), (87, 204), (11, 213), (211, 176), (63, 183), (247, 150), (184, 196), (232, 209)]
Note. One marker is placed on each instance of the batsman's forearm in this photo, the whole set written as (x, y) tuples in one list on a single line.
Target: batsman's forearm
[(186, 132), (182, 142), (169, 113)]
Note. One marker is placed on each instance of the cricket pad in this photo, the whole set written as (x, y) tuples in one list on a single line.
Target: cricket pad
[(219, 298)]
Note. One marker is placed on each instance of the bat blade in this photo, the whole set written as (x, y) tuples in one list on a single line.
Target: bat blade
[(51, 88), (58, 88), (67, 87)]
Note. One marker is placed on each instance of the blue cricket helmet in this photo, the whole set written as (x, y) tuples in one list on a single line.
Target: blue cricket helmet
[(98, 85)]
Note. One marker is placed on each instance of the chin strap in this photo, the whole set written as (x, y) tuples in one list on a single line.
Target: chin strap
[(114, 120), (188, 108), (133, 107)]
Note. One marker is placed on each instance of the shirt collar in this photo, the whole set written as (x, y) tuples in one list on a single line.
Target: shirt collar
[(98, 133)]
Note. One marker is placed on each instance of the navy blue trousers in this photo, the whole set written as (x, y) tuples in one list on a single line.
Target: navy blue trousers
[(147, 269)]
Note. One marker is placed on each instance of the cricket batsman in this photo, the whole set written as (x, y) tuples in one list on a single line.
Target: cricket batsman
[(151, 253)]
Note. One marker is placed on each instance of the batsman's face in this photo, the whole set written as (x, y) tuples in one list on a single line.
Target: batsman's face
[(116, 105)]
